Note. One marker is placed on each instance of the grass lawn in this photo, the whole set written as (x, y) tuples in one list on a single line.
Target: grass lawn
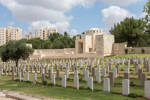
[(70, 93), (132, 55), (84, 93)]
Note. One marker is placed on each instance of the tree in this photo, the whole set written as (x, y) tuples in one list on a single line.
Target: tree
[(66, 34), (55, 41), (15, 50), (130, 30), (147, 17)]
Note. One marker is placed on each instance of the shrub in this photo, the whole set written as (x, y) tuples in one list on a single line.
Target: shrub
[(44, 82), (132, 84), (132, 95)]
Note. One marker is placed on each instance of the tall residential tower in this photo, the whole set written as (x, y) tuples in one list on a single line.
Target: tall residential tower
[(43, 33), (10, 33)]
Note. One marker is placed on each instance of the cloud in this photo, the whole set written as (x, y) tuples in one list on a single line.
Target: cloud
[(40, 24), (36, 12), (44, 11), (11, 23), (53, 12), (121, 2), (142, 15), (114, 14), (73, 32)]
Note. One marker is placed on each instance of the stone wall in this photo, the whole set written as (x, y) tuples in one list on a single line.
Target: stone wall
[(119, 48), (138, 50), (69, 50), (40, 53)]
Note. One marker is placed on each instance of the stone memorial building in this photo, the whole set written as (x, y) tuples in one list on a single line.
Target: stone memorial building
[(92, 43)]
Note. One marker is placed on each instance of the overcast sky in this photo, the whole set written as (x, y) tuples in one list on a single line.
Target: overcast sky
[(74, 16)]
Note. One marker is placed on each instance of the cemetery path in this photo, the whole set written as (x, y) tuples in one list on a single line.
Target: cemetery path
[(12, 95)]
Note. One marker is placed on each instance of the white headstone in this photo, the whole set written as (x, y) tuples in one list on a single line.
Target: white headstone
[(76, 80), (147, 89), (34, 78), (104, 72), (125, 87), (19, 76), (98, 76), (115, 73), (90, 83), (127, 70), (98, 67), (42, 71), (51, 72), (106, 85), (27, 76), (107, 68), (64, 81), (84, 73), (67, 73), (53, 79), (87, 75)]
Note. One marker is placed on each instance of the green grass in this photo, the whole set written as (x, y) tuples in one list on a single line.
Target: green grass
[(84, 93), (132, 56), (70, 93)]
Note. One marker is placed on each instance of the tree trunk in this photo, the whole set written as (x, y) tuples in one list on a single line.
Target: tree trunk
[(17, 66), (17, 63)]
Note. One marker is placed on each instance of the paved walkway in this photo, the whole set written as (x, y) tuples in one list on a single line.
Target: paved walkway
[(11, 95), (3, 97)]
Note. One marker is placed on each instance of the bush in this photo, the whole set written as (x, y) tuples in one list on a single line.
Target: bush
[(131, 69), (44, 82), (132, 84), (122, 69), (132, 95), (27, 81)]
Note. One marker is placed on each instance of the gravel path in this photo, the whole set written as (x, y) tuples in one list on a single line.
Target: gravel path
[(11, 95), (3, 97)]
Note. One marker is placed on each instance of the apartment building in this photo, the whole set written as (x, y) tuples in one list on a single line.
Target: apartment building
[(13, 33), (10, 33), (3, 36), (43, 33)]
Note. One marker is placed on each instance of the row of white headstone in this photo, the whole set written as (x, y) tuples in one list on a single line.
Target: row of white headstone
[(89, 80)]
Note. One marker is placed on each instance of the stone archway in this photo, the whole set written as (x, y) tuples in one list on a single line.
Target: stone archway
[(80, 47)]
